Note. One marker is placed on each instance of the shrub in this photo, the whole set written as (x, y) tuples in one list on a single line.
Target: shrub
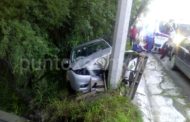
[(107, 107)]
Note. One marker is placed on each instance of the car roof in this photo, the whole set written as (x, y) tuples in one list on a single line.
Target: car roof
[(91, 42)]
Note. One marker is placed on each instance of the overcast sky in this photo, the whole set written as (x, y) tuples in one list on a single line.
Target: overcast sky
[(170, 9)]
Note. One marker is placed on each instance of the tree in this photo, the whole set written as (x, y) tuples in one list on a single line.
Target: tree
[(41, 29), (138, 7)]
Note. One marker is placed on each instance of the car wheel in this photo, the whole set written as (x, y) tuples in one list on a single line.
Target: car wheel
[(172, 64)]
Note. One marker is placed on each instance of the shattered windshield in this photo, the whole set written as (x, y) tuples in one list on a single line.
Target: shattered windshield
[(88, 49)]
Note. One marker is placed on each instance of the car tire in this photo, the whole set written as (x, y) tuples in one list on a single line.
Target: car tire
[(173, 62)]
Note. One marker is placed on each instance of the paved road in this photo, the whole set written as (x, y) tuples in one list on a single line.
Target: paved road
[(163, 95), (178, 77)]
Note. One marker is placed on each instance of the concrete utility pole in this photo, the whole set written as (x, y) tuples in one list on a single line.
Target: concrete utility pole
[(119, 42)]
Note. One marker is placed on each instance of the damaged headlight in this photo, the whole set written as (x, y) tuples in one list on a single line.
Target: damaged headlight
[(101, 62), (82, 71)]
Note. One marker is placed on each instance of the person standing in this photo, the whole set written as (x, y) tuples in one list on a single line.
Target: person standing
[(167, 48), (133, 34)]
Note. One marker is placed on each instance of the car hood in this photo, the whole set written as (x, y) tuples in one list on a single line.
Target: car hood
[(90, 60)]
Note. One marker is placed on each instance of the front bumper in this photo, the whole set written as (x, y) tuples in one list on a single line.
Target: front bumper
[(82, 83), (79, 82)]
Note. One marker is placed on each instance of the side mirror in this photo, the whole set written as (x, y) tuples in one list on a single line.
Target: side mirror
[(65, 64)]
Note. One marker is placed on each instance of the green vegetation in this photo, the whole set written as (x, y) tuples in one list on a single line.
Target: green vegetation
[(47, 29), (44, 29), (109, 107), (139, 7)]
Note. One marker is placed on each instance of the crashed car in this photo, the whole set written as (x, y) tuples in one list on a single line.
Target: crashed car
[(88, 62)]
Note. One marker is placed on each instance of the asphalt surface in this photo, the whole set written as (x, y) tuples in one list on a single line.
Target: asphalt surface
[(163, 95), (179, 79)]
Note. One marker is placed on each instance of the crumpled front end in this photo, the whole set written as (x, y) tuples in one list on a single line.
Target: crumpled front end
[(79, 82), (88, 65)]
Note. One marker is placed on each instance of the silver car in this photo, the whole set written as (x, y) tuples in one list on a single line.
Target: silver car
[(88, 62), (181, 57)]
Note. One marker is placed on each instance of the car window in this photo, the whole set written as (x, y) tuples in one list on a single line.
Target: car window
[(88, 50), (186, 44), (184, 29)]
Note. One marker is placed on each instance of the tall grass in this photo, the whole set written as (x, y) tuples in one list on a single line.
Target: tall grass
[(109, 107)]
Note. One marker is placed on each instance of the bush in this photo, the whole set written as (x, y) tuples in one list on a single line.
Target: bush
[(41, 29), (10, 101), (107, 107)]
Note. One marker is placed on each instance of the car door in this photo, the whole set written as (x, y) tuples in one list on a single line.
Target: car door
[(187, 58), (181, 51), (184, 54), (184, 51), (187, 54)]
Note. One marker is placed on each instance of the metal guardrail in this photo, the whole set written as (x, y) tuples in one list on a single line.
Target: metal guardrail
[(130, 87), (142, 60)]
